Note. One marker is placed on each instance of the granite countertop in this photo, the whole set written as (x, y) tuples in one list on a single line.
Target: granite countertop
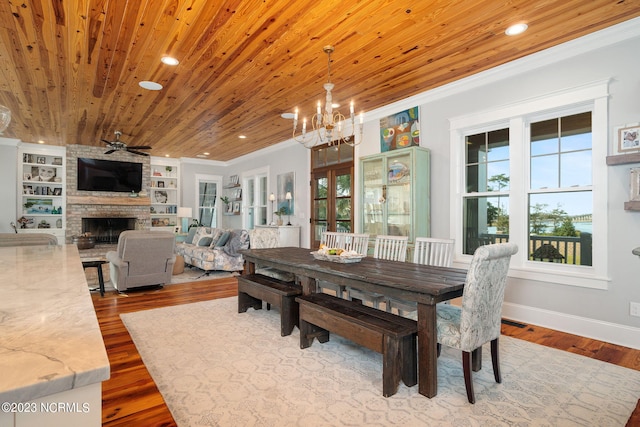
[(50, 340)]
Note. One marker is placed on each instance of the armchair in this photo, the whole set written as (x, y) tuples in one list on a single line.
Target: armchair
[(143, 258)]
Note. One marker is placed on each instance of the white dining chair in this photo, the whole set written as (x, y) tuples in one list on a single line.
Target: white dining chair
[(348, 242), (428, 251), (393, 248)]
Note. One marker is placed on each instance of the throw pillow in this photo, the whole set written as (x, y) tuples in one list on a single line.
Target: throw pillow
[(201, 234), (224, 238), (191, 235), (215, 236), (204, 241)]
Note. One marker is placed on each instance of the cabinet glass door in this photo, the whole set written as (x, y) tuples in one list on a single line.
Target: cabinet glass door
[(398, 198), (374, 206)]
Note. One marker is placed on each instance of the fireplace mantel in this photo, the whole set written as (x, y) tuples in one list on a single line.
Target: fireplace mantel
[(103, 200)]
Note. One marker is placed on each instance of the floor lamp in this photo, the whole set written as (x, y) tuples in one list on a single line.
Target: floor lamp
[(289, 197), (185, 214)]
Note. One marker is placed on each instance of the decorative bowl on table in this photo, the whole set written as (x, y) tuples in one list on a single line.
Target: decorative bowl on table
[(337, 255)]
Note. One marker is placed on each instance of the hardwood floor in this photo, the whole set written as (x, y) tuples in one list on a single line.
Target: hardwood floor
[(130, 397)]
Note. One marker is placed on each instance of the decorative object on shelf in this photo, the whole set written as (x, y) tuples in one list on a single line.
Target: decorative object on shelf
[(185, 213), (279, 213), (326, 127), (236, 207), (227, 203), (628, 138), (400, 130), (288, 196), (84, 241), (5, 118), (634, 186), (272, 198)]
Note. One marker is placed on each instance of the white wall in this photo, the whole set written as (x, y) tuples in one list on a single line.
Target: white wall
[(8, 176)]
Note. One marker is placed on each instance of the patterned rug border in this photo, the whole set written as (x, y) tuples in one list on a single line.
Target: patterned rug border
[(234, 369)]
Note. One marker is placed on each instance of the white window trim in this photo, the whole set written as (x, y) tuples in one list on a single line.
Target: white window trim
[(591, 97), (254, 174), (217, 179)]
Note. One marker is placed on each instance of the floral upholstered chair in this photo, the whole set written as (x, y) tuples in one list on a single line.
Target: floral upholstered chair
[(478, 321)]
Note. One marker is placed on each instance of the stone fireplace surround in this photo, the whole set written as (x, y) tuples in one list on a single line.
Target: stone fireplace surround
[(103, 204)]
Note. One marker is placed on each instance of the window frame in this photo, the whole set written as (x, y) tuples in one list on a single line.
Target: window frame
[(517, 118)]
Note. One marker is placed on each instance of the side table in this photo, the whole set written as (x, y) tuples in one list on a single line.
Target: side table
[(96, 263)]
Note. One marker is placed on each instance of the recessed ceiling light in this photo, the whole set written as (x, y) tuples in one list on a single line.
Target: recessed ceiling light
[(516, 29), (40, 142), (202, 156), (242, 136), (288, 116), (166, 155), (150, 85), (169, 60), (205, 153)]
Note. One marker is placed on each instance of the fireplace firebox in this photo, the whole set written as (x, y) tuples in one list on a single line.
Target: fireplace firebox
[(107, 230)]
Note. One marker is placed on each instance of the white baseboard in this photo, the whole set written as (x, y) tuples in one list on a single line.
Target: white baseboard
[(613, 333)]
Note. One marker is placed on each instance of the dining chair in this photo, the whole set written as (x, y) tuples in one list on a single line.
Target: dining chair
[(477, 321), (348, 242), (393, 248), (428, 251)]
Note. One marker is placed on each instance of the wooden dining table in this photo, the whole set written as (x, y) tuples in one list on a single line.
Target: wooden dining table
[(424, 284)]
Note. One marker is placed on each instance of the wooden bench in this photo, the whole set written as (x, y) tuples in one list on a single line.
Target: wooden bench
[(255, 288), (391, 335)]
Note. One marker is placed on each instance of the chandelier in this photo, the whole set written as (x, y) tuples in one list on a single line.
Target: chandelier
[(5, 118), (327, 126)]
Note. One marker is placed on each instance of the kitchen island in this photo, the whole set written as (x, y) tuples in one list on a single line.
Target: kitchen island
[(52, 356)]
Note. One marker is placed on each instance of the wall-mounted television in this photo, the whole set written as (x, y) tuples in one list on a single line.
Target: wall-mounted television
[(109, 175)]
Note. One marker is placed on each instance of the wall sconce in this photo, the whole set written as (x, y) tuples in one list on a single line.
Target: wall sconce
[(289, 197)]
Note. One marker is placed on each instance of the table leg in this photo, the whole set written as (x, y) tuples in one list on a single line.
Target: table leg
[(427, 350), (101, 280), (309, 285), (250, 268)]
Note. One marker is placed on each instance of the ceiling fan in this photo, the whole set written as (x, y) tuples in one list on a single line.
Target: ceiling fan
[(118, 145)]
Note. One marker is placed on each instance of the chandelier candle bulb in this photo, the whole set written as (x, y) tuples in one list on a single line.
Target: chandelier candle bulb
[(351, 108)]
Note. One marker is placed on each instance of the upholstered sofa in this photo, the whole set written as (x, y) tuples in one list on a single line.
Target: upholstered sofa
[(214, 249)]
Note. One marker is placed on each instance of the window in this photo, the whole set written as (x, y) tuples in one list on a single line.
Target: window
[(255, 198), (208, 189), (529, 174)]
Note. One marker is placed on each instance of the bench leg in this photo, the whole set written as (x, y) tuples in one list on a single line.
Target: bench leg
[(309, 331), (289, 314), (409, 360), (245, 301), (390, 366)]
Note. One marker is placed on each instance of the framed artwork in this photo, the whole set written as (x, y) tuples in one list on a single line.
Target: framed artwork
[(236, 207), (400, 130), (634, 186), (57, 161), (57, 191), (160, 184), (628, 138), (286, 184), (41, 160)]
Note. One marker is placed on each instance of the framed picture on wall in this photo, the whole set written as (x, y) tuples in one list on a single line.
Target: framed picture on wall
[(628, 137), (286, 185)]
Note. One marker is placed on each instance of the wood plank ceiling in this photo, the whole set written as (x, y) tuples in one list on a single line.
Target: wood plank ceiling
[(70, 69)]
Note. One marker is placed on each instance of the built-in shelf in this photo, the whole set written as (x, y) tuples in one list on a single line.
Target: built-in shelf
[(623, 159), (632, 205)]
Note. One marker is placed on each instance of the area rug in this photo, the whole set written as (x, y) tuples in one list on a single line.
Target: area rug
[(215, 367)]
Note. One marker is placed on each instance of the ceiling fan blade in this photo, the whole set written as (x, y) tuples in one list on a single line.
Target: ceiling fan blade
[(139, 153), (139, 147), (109, 152)]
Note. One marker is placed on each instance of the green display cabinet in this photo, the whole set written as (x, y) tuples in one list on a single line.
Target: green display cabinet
[(395, 193)]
